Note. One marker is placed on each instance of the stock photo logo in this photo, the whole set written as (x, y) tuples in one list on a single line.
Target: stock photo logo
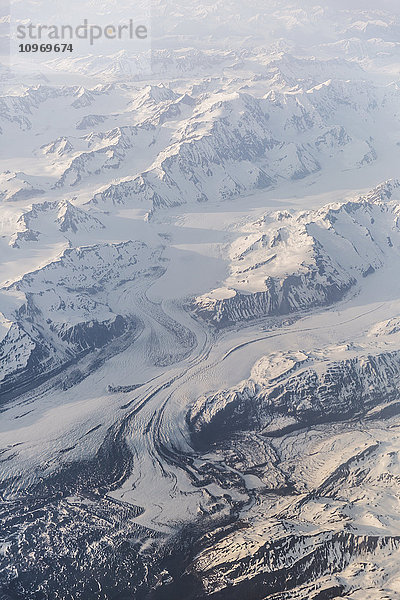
[(85, 31)]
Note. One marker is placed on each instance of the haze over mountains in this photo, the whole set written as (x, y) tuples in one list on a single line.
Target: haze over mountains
[(200, 307)]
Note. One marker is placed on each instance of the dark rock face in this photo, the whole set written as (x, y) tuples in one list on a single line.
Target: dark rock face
[(31, 358), (342, 390), (346, 388), (328, 554), (297, 292), (39, 357), (291, 262), (92, 334), (297, 557), (83, 547), (67, 539), (66, 310)]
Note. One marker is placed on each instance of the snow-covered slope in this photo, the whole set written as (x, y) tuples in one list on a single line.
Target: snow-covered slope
[(274, 118), (71, 306), (46, 218), (233, 143), (16, 186), (292, 391), (289, 262)]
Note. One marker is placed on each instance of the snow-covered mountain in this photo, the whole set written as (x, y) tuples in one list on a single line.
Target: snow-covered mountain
[(49, 218), (200, 306), (71, 306), (289, 391), (233, 143), (332, 526), (160, 145), (290, 262), (18, 186)]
